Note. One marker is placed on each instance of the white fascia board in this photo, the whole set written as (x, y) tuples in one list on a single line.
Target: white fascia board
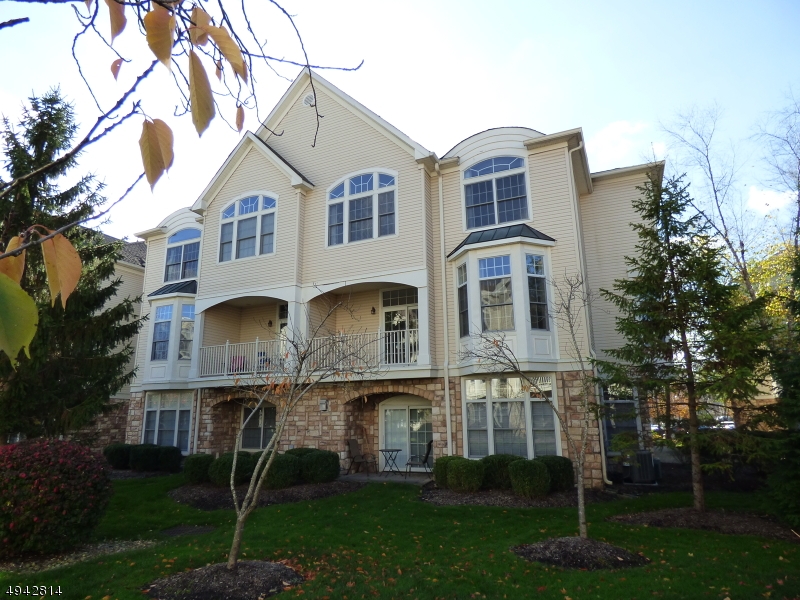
[(552, 138), (298, 86), (504, 242), (151, 299), (632, 170), (147, 233)]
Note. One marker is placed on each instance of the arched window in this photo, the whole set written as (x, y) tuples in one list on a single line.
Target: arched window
[(489, 199), (248, 228), (182, 257), (362, 207)]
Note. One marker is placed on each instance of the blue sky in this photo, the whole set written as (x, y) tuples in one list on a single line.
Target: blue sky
[(443, 70)]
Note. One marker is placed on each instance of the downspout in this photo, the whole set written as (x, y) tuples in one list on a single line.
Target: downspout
[(199, 400), (603, 466), (445, 319)]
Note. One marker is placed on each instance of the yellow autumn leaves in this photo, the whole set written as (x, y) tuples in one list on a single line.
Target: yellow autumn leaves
[(19, 316), (160, 25)]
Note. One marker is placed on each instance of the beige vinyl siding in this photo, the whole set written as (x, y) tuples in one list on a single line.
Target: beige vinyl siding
[(609, 239), (317, 310), (454, 234), (253, 323), (347, 143), (153, 279), (222, 324), (360, 304), (432, 255), (254, 174), (131, 287)]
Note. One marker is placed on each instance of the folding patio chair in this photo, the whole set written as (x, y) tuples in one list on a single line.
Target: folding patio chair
[(360, 459), (420, 461)]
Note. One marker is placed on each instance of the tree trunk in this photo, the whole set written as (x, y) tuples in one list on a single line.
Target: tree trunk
[(697, 474), (582, 531), (236, 546), (668, 413)]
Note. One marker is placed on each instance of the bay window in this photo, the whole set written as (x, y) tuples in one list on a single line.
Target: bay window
[(537, 290), (463, 300), (187, 332), (161, 327), (497, 307)]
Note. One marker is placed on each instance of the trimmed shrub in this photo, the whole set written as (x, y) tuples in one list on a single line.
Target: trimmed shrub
[(496, 475), (145, 457), (284, 472), (529, 478), (562, 475), (301, 452), (118, 455), (52, 495), (219, 473), (169, 459), (465, 475), (440, 469), (319, 466), (196, 466)]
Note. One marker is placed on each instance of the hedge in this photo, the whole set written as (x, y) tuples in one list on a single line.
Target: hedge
[(219, 473), (440, 469), (300, 452), (169, 459), (118, 455), (496, 475), (465, 475), (196, 466), (562, 475), (319, 466), (145, 457), (284, 472), (529, 478)]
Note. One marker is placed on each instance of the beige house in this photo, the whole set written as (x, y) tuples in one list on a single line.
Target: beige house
[(428, 251)]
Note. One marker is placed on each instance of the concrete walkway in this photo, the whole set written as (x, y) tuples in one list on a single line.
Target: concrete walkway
[(419, 479)]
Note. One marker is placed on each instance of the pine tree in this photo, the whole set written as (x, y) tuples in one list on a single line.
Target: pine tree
[(79, 356), (687, 328)]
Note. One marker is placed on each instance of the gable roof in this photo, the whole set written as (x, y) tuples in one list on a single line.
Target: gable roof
[(249, 140), (520, 230), (134, 253), (298, 86)]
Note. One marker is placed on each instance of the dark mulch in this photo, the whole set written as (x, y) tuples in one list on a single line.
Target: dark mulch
[(128, 474), (735, 523), (253, 580), (208, 497), (507, 498), (187, 530), (37, 563), (576, 553)]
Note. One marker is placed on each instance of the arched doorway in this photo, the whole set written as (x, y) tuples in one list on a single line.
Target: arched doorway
[(405, 423)]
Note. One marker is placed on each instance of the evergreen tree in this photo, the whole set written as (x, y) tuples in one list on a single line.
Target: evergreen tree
[(687, 328), (79, 356)]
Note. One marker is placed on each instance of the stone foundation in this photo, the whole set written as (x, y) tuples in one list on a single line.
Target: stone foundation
[(107, 428)]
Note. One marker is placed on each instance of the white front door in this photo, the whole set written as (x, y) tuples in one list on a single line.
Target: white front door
[(406, 425)]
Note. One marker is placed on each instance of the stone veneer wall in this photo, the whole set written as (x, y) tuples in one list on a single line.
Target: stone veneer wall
[(107, 428), (135, 418)]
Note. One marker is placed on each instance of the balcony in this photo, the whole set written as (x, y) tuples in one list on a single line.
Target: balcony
[(369, 351)]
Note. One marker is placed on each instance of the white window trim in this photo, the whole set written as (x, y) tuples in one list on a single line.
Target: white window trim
[(258, 214), (464, 263), (547, 289), (178, 332), (510, 276), (177, 417), (466, 181), (260, 425), (151, 339), (183, 243), (528, 412), (375, 206)]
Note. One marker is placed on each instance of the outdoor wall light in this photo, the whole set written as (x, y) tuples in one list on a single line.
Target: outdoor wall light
[(372, 312), (323, 404), (269, 323)]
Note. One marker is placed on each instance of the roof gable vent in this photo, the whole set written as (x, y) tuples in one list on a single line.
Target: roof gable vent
[(308, 100)]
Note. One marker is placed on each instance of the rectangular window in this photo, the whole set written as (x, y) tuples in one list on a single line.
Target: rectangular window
[(386, 213), (512, 203), (336, 224), (150, 427), (480, 204), (477, 431), (620, 418), (225, 242), (497, 308), (173, 269), (537, 291), (268, 233), (168, 417), (400, 297), (508, 416), (259, 430), (542, 419), (360, 210), (463, 303), (161, 326), (191, 253), (246, 237), (187, 332)]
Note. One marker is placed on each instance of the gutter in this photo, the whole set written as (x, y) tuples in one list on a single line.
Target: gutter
[(445, 318)]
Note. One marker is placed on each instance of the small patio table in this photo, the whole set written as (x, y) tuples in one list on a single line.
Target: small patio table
[(390, 460)]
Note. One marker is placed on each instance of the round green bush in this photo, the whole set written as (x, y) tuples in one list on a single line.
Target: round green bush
[(52, 495), (118, 455), (219, 473), (496, 475), (169, 459), (465, 475), (284, 472), (562, 475), (529, 478), (145, 457), (319, 466), (195, 467), (300, 452), (440, 469)]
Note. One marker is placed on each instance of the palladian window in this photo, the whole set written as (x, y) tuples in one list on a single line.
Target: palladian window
[(248, 228), (361, 208), (489, 199)]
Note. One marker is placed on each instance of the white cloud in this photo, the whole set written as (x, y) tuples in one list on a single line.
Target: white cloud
[(621, 144), (765, 201)]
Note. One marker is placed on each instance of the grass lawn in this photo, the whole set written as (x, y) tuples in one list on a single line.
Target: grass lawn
[(381, 542)]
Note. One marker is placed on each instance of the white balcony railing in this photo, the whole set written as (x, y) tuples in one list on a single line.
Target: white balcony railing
[(359, 350)]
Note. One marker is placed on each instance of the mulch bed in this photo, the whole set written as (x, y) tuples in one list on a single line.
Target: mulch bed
[(35, 564), (507, 498), (734, 523), (208, 497), (253, 580), (577, 553)]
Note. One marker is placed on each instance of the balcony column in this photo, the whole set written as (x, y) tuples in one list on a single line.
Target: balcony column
[(424, 313), (298, 319), (197, 343)]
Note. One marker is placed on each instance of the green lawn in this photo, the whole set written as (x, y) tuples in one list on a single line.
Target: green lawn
[(383, 542)]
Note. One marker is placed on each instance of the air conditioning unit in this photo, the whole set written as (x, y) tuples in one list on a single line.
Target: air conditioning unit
[(643, 468)]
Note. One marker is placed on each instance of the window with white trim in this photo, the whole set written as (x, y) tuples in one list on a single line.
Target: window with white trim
[(361, 208), (247, 228), (168, 418), (181, 257), (497, 306), (187, 332), (504, 416), (161, 326), (463, 300), (490, 200), (537, 290), (259, 429), (620, 418)]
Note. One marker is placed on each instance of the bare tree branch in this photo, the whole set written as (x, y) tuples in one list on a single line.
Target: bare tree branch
[(13, 22)]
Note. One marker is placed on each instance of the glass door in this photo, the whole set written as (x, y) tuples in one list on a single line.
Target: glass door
[(420, 432), (395, 433)]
